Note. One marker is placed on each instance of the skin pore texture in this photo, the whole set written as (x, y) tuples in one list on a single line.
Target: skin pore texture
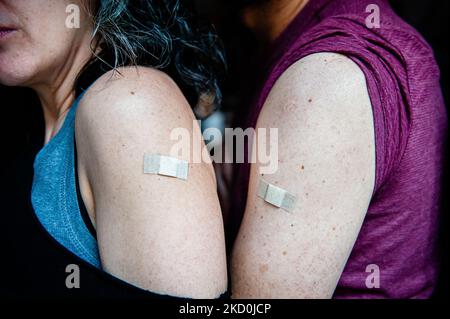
[(323, 112), (46, 63), (158, 233)]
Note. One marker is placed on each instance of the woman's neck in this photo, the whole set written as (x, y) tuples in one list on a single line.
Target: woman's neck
[(56, 90), (269, 20)]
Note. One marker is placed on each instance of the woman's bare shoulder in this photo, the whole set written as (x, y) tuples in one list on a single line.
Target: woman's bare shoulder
[(138, 105), (140, 90)]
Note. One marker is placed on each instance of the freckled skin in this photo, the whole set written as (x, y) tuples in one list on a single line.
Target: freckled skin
[(143, 234), (263, 268), (316, 239)]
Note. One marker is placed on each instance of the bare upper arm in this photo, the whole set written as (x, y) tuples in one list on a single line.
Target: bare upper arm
[(322, 110), (159, 233)]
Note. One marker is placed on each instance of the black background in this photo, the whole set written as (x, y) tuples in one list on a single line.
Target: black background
[(33, 265)]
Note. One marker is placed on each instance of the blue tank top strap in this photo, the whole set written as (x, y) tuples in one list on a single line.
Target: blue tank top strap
[(54, 196)]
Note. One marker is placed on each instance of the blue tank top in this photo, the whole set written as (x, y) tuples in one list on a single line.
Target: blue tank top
[(54, 196)]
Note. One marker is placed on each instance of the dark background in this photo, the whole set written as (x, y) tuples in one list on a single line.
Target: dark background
[(33, 265)]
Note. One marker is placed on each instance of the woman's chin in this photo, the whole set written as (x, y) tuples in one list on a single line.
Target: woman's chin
[(8, 81), (12, 77)]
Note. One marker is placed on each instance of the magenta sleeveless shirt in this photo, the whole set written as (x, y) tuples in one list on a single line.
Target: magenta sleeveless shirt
[(400, 230)]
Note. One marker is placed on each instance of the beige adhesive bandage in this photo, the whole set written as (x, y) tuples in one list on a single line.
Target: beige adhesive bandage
[(276, 196), (165, 166)]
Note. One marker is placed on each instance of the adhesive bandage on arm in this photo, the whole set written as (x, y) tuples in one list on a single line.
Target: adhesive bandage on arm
[(276, 196), (165, 166)]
